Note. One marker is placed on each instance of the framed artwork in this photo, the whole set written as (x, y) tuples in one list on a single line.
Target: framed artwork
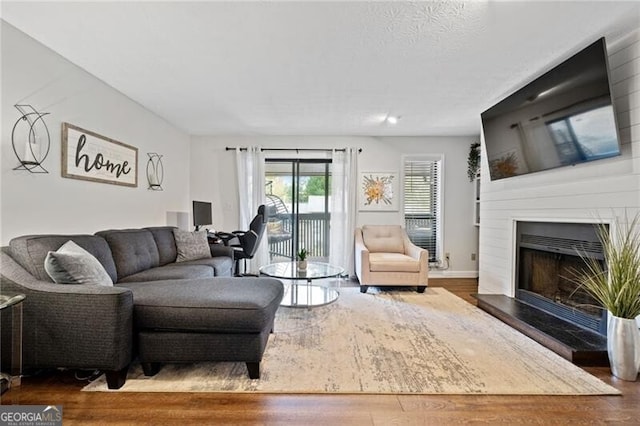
[(89, 156), (378, 191)]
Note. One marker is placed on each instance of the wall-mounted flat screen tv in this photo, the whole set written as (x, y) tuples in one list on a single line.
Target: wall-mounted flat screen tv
[(562, 118), (201, 214)]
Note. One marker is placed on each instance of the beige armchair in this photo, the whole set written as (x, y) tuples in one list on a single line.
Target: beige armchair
[(384, 256)]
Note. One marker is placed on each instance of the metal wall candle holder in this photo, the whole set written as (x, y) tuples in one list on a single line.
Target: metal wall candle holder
[(155, 171), (30, 139)]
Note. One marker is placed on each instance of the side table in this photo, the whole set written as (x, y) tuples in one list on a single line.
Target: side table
[(13, 303)]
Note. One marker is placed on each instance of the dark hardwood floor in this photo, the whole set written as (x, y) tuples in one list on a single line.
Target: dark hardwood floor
[(237, 409)]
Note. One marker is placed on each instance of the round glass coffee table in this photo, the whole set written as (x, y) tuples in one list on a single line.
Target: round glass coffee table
[(304, 295)]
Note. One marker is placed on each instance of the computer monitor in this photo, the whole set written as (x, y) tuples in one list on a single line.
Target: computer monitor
[(201, 214)]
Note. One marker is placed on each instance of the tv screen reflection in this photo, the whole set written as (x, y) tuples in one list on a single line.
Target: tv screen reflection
[(564, 117)]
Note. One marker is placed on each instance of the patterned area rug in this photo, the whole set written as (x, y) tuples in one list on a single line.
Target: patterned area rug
[(396, 342)]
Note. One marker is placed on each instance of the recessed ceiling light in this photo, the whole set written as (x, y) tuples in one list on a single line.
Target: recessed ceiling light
[(392, 119)]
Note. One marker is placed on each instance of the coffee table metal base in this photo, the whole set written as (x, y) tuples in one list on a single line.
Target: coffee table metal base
[(307, 296)]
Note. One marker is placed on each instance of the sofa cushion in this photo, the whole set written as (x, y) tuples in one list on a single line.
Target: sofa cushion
[(170, 272), (71, 264), (166, 242), (226, 305), (392, 262), (31, 250), (191, 245), (383, 238), (222, 265), (134, 250)]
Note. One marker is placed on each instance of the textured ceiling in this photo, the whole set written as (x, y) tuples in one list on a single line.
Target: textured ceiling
[(319, 68)]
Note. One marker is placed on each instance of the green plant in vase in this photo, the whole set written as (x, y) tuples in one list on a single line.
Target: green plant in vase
[(473, 161), (617, 289), (302, 259)]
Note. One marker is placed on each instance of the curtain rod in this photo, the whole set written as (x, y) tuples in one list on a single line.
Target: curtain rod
[(229, 148)]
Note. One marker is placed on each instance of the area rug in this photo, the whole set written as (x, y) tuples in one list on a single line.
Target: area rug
[(396, 342)]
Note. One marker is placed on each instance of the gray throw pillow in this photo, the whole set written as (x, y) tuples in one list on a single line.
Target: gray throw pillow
[(71, 264), (191, 245)]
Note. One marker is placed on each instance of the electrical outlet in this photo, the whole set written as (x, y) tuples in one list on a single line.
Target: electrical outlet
[(473, 256), (447, 256)]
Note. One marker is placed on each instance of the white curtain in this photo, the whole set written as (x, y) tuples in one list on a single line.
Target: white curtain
[(344, 169), (250, 168)]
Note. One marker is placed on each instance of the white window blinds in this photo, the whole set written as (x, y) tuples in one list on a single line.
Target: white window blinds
[(421, 203)]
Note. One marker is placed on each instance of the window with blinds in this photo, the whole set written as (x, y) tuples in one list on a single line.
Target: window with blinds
[(421, 203)]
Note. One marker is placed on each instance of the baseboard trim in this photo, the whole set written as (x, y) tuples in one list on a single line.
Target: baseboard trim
[(434, 273)]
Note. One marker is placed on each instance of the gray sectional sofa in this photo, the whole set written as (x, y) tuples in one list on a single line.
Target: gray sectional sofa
[(158, 310)]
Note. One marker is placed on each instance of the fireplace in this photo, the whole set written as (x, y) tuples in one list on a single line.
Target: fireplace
[(547, 252)]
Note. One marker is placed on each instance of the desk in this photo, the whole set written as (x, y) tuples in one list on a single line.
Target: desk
[(308, 295), (13, 303), (213, 239)]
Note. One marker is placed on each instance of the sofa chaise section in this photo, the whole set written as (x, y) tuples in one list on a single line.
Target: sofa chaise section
[(199, 320)]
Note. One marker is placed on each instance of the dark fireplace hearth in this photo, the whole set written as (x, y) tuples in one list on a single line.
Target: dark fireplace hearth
[(549, 306)]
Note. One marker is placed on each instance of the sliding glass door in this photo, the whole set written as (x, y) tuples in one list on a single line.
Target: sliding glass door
[(297, 199)]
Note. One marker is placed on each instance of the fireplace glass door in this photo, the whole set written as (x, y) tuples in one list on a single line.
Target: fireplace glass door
[(548, 263), (550, 275)]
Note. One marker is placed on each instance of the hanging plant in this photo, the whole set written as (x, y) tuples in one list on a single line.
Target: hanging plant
[(473, 162)]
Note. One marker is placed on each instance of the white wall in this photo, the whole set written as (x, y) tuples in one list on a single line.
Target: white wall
[(47, 203), (583, 193), (213, 178)]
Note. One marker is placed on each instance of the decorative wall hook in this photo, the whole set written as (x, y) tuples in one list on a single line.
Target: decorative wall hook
[(155, 171), (30, 139)]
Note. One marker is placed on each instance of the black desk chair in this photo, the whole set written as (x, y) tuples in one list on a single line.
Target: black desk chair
[(247, 241)]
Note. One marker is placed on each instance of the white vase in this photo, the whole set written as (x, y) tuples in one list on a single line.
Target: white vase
[(302, 265), (623, 346)]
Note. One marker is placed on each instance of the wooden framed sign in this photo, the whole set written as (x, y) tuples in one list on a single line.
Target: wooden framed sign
[(89, 156)]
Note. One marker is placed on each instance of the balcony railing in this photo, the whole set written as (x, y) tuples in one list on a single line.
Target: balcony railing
[(313, 235)]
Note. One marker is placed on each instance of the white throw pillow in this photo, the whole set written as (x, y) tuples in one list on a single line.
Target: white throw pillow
[(71, 264)]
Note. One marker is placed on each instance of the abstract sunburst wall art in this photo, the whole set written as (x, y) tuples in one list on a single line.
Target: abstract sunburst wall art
[(378, 191)]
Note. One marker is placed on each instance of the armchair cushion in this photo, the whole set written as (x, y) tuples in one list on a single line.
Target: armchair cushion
[(383, 239), (393, 262)]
